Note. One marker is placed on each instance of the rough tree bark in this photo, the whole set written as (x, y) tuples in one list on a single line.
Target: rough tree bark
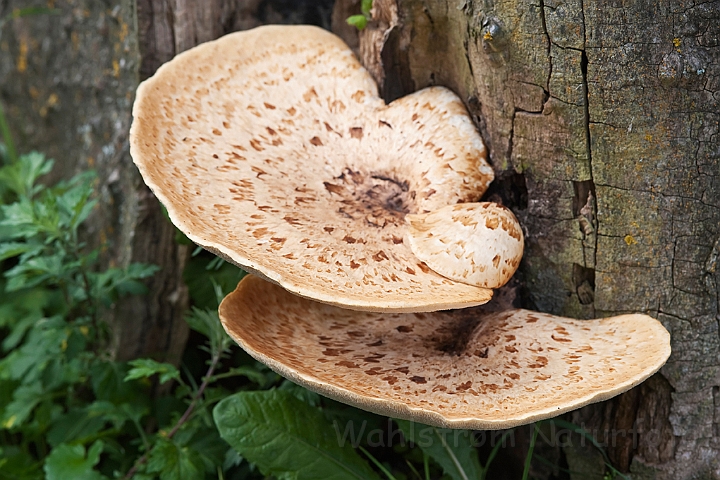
[(68, 80), (602, 120)]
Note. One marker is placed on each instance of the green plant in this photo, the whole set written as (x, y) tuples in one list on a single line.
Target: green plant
[(52, 295), (67, 410), (360, 21)]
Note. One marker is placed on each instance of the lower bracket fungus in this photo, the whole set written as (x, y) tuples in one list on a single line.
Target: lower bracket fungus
[(272, 148), (458, 369)]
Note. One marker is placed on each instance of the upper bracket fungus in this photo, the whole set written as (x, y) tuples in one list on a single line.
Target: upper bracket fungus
[(272, 148)]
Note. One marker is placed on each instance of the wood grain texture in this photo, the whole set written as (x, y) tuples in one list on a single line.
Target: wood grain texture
[(602, 120), (71, 99)]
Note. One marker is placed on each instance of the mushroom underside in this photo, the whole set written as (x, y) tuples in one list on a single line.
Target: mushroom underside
[(459, 369)]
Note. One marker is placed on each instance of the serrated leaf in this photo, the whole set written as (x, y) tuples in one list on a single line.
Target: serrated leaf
[(13, 249), (20, 177), (70, 461), (145, 367), (287, 438), (207, 322), (174, 462), (453, 450), (20, 218)]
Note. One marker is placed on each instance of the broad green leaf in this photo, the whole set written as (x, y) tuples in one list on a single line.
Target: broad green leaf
[(13, 249), (18, 332), (453, 450), (287, 438), (73, 425), (70, 462), (145, 367), (20, 218)]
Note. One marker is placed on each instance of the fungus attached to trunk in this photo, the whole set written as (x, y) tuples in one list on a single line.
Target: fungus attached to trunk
[(272, 148), (459, 369)]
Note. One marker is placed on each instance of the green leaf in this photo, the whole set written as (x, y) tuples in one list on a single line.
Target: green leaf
[(366, 6), (145, 367), (108, 384), (174, 462), (208, 323), (201, 279), (357, 21), (251, 373), (301, 393), (20, 177), (16, 464), (9, 250), (287, 438), (75, 424), (25, 399), (453, 450), (20, 218), (70, 461)]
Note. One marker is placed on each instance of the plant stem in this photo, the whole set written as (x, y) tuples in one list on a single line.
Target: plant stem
[(185, 416), (528, 459)]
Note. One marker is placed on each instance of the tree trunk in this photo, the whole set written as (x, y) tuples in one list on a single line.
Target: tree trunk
[(68, 81), (602, 120)]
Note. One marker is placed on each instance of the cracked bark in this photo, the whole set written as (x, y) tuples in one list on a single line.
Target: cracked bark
[(602, 121)]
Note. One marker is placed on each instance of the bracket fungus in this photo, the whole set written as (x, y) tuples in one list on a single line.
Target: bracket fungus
[(457, 369), (272, 148)]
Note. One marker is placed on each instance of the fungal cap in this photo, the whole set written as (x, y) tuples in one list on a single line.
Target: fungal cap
[(460, 369), (479, 244), (271, 148)]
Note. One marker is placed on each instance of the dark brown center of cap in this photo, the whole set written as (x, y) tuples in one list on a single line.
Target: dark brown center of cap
[(374, 198)]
